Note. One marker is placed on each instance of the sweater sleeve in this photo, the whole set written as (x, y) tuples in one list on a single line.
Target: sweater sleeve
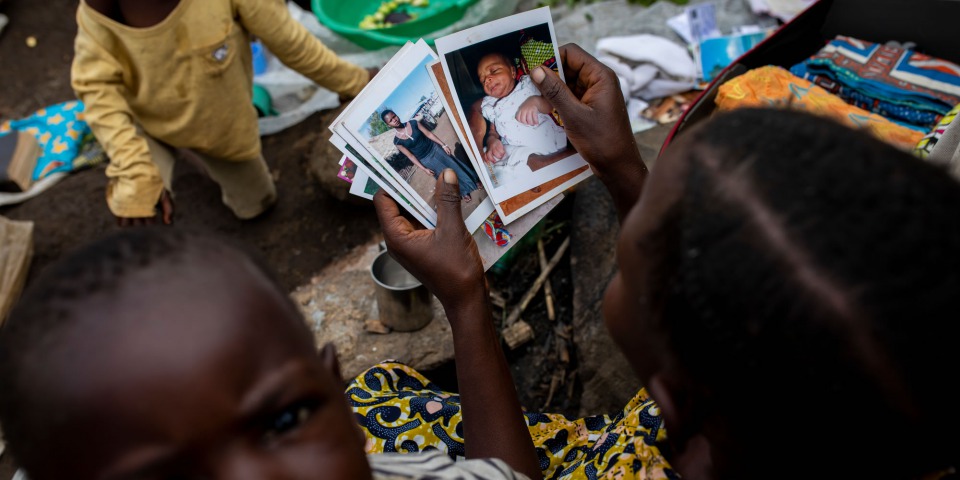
[(293, 44), (134, 184)]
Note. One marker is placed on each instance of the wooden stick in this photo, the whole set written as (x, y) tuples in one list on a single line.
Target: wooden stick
[(515, 315), (547, 288), (518, 334), (555, 382)]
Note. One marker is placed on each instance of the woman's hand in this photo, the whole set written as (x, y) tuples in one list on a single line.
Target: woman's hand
[(446, 259), (446, 148), (529, 111), (429, 172), (595, 118)]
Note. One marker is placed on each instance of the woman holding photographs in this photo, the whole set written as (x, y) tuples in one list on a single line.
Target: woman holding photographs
[(428, 153)]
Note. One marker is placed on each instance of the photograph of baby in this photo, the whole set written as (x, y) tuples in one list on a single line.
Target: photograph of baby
[(514, 131), (518, 206), (411, 133)]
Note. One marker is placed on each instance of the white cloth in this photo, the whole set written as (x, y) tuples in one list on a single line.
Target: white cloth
[(784, 10), (648, 66), (434, 465), (520, 140), (437, 466)]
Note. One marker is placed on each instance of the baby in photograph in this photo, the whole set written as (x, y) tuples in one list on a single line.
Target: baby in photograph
[(520, 120)]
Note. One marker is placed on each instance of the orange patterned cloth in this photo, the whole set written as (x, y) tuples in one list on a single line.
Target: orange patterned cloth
[(776, 87)]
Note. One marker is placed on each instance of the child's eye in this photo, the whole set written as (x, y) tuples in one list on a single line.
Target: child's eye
[(287, 420)]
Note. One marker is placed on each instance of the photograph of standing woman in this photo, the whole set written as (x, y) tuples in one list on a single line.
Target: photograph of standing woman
[(412, 131), (428, 153)]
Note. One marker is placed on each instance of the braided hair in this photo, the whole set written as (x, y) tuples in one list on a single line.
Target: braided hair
[(808, 281)]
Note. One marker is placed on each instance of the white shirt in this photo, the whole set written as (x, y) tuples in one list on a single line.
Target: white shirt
[(436, 465), (543, 139)]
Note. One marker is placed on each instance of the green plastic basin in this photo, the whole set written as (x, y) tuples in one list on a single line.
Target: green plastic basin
[(344, 17)]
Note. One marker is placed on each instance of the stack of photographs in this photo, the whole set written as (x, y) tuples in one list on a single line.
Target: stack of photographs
[(474, 109)]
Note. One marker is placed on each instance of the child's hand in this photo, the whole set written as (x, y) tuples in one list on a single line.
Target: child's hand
[(445, 260), (495, 151), (166, 214), (595, 120), (529, 111)]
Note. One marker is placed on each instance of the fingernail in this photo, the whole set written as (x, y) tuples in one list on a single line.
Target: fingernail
[(449, 176), (538, 74)]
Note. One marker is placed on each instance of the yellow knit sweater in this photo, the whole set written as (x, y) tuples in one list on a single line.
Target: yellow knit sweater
[(187, 82)]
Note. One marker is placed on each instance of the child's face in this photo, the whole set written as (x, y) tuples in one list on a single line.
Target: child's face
[(628, 313), (213, 376), (633, 319), (497, 75)]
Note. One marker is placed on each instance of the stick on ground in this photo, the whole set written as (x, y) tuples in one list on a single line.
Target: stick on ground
[(515, 314), (547, 288)]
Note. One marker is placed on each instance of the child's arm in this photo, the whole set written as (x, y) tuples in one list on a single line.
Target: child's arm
[(293, 44), (413, 159), (529, 111), (135, 186), (495, 150), (447, 261), (435, 139)]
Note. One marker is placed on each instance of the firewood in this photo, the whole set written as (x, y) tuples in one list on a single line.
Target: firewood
[(547, 288), (518, 334), (544, 275)]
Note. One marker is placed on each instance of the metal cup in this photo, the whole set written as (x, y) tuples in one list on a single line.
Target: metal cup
[(404, 303)]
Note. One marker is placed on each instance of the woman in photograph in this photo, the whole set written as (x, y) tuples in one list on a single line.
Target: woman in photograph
[(428, 153)]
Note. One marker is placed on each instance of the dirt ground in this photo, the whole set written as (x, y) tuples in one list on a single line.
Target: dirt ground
[(301, 235)]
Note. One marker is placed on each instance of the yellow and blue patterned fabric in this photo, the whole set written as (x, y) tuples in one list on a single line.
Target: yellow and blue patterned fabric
[(933, 138), (400, 411), (60, 131)]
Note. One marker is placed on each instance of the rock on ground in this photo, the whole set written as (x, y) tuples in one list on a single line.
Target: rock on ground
[(341, 299)]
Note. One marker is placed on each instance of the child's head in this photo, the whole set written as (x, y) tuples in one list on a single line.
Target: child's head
[(788, 292), (161, 354), (497, 74)]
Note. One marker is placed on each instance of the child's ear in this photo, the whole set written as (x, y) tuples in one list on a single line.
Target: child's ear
[(328, 357), (676, 405), (681, 407)]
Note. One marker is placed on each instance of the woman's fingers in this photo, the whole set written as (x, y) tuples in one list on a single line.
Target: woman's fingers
[(395, 226), (448, 199)]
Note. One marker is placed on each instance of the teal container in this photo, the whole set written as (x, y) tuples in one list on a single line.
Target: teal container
[(344, 18)]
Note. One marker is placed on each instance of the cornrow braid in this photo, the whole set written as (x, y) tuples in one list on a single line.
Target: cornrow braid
[(813, 267)]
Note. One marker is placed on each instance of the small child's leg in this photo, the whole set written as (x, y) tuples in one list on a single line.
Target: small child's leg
[(247, 186)]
